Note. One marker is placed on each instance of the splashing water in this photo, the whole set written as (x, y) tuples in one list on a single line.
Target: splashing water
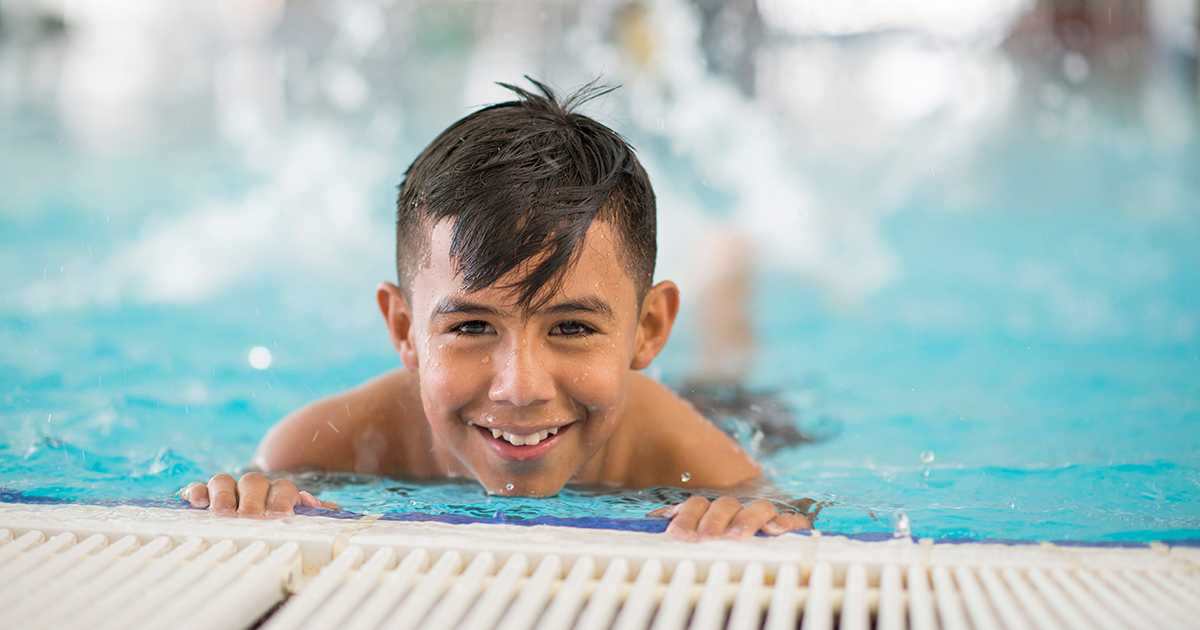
[(927, 459), (902, 527)]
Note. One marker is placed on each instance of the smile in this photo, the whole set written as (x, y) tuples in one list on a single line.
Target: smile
[(522, 448), (523, 440)]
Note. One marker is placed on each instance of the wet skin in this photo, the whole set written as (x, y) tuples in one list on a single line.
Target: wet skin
[(477, 363), (485, 363)]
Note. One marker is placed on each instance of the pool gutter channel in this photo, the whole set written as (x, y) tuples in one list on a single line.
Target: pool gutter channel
[(367, 572)]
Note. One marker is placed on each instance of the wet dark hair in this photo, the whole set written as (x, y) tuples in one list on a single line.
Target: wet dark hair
[(525, 179)]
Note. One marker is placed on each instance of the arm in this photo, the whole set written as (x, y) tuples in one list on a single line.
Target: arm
[(355, 431), (687, 451), (376, 428), (666, 442)]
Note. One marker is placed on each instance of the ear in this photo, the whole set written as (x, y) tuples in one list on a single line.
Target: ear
[(399, 322), (659, 309)]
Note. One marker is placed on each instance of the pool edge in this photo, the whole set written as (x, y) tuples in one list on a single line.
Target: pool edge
[(322, 538)]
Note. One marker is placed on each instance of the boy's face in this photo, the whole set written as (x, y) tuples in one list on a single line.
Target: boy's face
[(525, 399)]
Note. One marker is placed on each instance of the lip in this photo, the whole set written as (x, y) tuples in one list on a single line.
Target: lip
[(514, 453)]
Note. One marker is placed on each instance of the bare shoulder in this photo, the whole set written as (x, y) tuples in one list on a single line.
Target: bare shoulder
[(373, 428), (669, 443)]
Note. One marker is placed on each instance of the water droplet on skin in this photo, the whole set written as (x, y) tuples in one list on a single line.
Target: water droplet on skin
[(509, 487), (485, 359), (686, 477), (903, 527)]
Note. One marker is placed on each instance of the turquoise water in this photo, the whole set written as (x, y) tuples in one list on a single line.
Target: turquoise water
[(1000, 338), (1043, 350)]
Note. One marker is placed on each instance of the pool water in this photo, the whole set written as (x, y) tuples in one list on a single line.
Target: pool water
[(1006, 344), (1033, 375)]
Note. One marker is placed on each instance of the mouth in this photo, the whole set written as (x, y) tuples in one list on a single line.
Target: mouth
[(522, 448)]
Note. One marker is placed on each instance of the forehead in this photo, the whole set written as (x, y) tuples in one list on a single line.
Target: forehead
[(596, 272)]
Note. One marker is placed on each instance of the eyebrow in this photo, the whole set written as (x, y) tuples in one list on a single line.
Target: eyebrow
[(586, 304), (452, 305), (456, 306)]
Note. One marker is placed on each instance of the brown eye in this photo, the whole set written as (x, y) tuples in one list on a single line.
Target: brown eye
[(472, 328), (572, 329)]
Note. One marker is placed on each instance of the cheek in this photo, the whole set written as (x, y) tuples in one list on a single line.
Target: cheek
[(450, 382), (599, 384)]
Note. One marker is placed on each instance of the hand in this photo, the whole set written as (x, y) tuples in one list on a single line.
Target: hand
[(698, 519), (253, 496)]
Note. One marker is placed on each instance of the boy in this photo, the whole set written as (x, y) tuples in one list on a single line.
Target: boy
[(525, 248)]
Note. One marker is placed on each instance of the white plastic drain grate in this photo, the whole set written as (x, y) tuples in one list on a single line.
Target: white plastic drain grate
[(115, 568), (386, 589), (63, 581)]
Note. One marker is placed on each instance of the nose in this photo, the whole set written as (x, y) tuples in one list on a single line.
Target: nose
[(523, 378)]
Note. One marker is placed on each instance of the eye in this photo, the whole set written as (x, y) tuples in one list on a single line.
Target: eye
[(571, 328), (472, 328)]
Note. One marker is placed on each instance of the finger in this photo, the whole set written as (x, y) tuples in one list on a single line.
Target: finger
[(718, 517), (308, 500), (282, 498), (196, 494), (687, 518), (786, 523), (252, 495), (667, 511), (222, 494), (747, 522)]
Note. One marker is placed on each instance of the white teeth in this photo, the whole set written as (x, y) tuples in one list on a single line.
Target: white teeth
[(523, 440)]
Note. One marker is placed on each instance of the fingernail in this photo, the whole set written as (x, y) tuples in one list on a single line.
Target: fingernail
[(202, 503), (735, 534)]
